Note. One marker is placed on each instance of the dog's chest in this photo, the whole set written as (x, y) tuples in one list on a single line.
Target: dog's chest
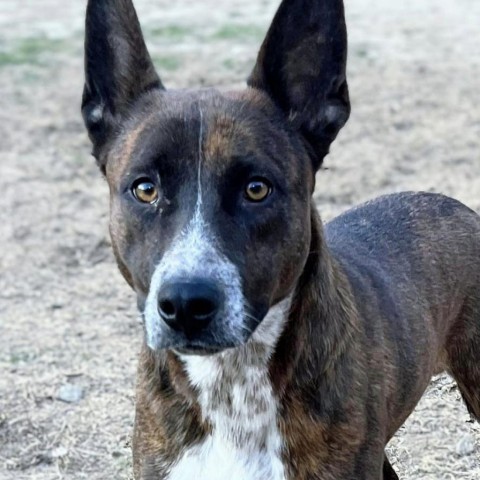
[(237, 399)]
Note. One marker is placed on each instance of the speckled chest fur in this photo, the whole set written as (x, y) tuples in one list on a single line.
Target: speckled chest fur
[(236, 397)]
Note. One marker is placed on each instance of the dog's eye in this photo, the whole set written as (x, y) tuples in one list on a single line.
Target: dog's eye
[(257, 190), (145, 191)]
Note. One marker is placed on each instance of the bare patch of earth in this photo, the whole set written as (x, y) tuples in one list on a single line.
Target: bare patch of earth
[(68, 321)]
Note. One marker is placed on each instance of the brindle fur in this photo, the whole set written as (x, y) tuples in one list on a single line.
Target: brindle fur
[(385, 296)]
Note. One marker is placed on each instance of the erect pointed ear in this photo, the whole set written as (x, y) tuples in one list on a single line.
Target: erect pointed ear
[(118, 68), (302, 66)]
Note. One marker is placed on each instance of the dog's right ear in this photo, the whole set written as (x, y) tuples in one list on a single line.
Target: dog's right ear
[(118, 67)]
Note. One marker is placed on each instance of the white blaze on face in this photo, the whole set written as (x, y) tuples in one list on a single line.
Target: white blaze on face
[(194, 254)]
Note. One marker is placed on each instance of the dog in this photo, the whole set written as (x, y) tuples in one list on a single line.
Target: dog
[(275, 348)]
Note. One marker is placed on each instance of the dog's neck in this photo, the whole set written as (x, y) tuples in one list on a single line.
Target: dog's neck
[(310, 337)]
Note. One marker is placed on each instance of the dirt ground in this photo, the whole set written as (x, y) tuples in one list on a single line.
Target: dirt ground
[(68, 324)]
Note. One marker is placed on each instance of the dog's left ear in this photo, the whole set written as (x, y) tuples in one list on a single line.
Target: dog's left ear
[(118, 68), (302, 66)]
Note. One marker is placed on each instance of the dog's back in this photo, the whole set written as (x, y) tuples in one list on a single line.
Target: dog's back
[(413, 262)]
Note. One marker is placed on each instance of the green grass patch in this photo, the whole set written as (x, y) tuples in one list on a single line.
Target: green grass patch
[(171, 32), (360, 50), (239, 31), (21, 357), (30, 50), (32, 77), (169, 63), (229, 64)]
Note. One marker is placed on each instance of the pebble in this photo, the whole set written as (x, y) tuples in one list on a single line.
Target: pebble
[(465, 446), (70, 393), (58, 452)]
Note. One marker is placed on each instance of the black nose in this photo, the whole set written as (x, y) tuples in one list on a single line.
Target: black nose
[(189, 306)]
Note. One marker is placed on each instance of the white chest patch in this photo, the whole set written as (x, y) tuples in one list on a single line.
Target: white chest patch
[(236, 397)]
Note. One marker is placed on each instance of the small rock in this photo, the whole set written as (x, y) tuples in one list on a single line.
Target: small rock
[(465, 446), (53, 455), (59, 452), (70, 393)]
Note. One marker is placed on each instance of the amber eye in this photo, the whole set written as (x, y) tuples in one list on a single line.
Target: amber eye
[(257, 190), (145, 191)]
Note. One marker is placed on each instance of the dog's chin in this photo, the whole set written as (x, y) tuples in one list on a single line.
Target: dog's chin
[(205, 347), (199, 351), (202, 346)]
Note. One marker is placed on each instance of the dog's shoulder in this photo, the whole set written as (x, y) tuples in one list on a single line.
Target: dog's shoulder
[(386, 245), (396, 222)]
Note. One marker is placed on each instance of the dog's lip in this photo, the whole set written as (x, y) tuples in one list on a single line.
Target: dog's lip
[(203, 348), (202, 351)]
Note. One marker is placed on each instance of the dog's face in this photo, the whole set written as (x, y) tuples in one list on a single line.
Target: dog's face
[(210, 202), (210, 192)]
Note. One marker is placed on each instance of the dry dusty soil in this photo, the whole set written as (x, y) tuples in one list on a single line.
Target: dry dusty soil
[(68, 324)]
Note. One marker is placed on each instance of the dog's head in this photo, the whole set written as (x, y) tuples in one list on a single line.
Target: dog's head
[(209, 191)]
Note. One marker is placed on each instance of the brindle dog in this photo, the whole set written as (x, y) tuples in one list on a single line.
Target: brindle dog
[(274, 349)]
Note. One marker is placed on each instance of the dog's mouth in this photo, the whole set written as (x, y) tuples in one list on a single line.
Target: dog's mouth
[(199, 350), (211, 340), (202, 346)]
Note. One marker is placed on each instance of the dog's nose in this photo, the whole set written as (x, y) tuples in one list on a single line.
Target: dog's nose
[(189, 306)]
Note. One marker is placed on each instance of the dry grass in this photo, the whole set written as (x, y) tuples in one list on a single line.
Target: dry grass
[(66, 317)]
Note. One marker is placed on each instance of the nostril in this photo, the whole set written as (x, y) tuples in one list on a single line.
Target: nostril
[(202, 308), (167, 309)]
